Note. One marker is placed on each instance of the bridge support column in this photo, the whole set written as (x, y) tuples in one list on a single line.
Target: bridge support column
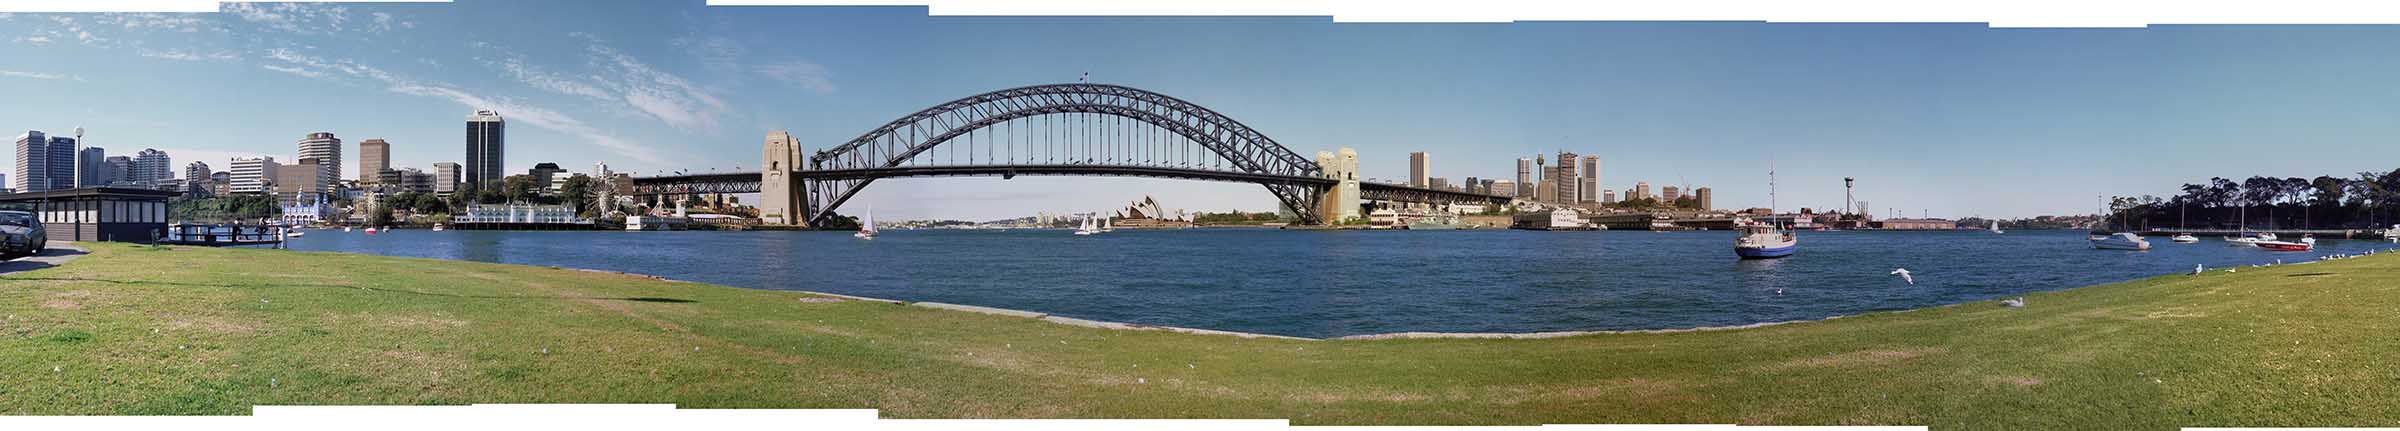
[(1340, 202), (780, 195)]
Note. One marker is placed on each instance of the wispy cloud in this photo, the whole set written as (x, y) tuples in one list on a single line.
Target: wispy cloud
[(806, 75), (516, 111), (37, 75), (37, 40), (294, 70), (182, 55), (311, 18), (666, 96)]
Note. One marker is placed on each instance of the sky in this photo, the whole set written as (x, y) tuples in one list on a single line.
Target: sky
[(1950, 120)]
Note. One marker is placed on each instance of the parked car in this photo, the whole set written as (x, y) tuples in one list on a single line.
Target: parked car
[(21, 235)]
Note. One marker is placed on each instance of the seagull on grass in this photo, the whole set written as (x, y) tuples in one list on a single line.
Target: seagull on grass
[(2019, 302)]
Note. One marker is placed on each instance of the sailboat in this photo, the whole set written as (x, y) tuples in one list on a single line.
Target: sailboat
[(1762, 240), (1087, 228), (2119, 240), (866, 225), (1104, 226), (1996, 228), (2184, 237)]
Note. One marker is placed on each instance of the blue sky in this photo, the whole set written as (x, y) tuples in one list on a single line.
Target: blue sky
[(1954, 119)]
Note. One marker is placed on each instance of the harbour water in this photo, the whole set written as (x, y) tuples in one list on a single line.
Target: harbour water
[(1336, 283)]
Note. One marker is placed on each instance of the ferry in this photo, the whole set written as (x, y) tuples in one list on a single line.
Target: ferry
[(1762, 241), (2121, 241)]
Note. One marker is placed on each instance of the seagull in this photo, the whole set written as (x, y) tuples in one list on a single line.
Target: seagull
[(2014, 303), (1903, 273), (2196, 268)]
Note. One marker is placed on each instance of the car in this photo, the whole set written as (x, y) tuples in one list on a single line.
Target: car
[(21, 235)]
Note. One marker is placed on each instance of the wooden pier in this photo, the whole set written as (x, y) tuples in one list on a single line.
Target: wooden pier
[(225, 235)]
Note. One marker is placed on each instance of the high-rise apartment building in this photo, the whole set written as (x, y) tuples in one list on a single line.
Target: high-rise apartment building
[(544, 173), (445, 177), (326, 151), (1566, 180), (1641, 190), (195, 178), (115, 171), (1418, 170), (1704, 197), (1670, 194), (1608, 196), (487, 148), (374, 157), (152, 168)]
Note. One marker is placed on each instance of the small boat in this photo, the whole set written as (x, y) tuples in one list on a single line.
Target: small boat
[(294, 233), (1087, 228), (345, 228), (2392, 234), (866, 226), (2185, 238), (2250, 239), (1762, 241), (1436, 221), (2305, 243), (2121, 241), (371, 230), (437, 227), (1996, 228), (1104, 226)]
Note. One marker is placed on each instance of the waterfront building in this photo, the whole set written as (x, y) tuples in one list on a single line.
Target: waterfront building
[(520, 216), (1916, 224), (374, 157), (1524, 178), (96, 213), (326, 150), (1552, 219), (1590, 187), (1502, 187), (1670, 193), (97, 167), (33, 162), (252, 175), (152, 168), (1418, 170), (487, 139), (308, 211), (445, 177)]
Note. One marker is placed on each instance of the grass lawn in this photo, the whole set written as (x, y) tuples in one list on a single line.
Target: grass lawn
[(135, 330)]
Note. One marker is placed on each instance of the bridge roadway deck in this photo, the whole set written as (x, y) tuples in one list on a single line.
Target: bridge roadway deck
[(748, 182)]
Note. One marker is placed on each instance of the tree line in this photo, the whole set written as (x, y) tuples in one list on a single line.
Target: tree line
[(2367, 200)]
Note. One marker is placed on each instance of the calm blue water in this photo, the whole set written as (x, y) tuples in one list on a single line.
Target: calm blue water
[(1334, 283)]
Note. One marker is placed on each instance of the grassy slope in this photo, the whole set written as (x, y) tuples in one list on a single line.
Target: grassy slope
[(196, 331)]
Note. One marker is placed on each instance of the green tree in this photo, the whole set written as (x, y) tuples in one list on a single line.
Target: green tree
[(578, 192), (519, 188), (463, 195)]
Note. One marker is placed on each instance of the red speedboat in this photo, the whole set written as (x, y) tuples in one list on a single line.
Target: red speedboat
[(2305, 244)]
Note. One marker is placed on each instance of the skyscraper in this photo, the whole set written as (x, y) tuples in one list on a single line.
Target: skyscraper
[(487, 147), (152, 168), (1590, 187), (1567, 179), (374, 157), (445, 177), (62, 162), (115, 171), (1670, 194), (1524, 177), (1418, 169), (1705, 198), (326, 150), (33, 162), (95, 172), (1641, 190)]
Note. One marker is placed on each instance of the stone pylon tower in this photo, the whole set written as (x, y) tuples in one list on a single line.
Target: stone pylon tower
[(781, 197)]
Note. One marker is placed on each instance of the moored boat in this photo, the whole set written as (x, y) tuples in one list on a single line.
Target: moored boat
[(2121, 241), (2185, 238), (2305, 243), (1761, 241)]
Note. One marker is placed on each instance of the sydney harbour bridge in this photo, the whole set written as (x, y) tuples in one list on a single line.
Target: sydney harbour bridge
[(1057, 129)]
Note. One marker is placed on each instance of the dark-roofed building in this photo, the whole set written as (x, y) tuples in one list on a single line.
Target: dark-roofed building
[(96, 213)]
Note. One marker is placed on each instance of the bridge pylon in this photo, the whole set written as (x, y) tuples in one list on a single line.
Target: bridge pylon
[(782, 196)]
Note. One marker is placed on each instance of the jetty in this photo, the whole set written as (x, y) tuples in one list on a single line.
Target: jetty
[(232, 235), (2289, 233)]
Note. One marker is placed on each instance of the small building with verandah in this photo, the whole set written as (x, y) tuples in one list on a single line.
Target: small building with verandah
[(96, 213)]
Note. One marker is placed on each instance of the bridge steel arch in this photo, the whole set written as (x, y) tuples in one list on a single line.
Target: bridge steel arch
[(1253, 157)]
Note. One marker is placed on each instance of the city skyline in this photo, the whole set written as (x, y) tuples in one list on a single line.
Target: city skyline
[(1955, 119)]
